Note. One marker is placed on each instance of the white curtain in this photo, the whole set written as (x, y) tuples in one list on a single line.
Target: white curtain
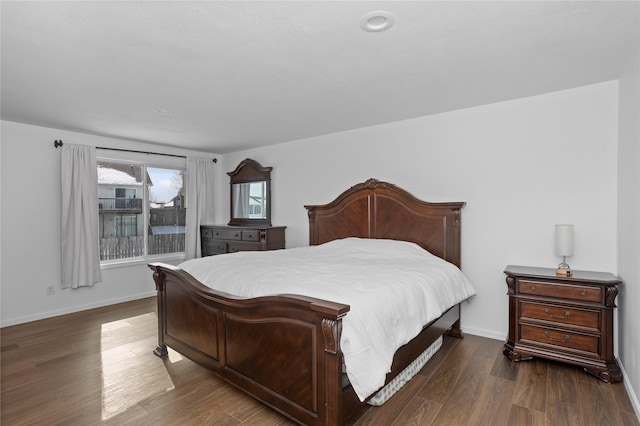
[(240, 195), (200, 176), (80, 239)]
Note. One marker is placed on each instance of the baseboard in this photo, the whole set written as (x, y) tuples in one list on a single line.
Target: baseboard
[(633, 397), (485, 333), (73, 309)]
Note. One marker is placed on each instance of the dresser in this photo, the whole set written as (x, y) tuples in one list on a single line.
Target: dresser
[(218, 239), (567, 319)]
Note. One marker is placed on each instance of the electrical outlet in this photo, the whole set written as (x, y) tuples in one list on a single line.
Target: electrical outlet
[(51, 290)]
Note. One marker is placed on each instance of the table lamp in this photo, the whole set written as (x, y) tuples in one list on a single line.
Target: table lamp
[(564, 247)]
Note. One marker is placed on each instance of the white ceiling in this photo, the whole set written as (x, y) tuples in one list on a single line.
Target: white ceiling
[(223, 76)]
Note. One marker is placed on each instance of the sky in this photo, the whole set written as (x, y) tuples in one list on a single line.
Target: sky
[(166, 184)]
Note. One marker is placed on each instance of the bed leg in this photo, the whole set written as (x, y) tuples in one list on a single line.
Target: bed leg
[(456, 331), (161, 351)]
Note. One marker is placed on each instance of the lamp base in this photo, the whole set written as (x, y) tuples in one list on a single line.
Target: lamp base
[(564, 272)]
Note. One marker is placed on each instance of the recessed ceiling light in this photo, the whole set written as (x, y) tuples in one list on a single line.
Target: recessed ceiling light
[(163, 112), (376, 21)]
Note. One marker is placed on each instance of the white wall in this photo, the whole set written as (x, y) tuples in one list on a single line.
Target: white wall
[(522, 166), (629, 223), (30, 228)]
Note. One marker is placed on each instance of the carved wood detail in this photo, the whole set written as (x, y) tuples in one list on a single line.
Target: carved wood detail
[(612, 374), (158, 278), (511, 286), (611, 294), (330, 333)]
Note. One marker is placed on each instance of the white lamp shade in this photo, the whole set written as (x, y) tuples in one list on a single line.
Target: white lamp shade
[(564, 240)]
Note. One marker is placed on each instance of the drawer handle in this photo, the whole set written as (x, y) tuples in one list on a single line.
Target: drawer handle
[(565, 340), (566, 315), (583, 293), (533, 288), (237, 235)]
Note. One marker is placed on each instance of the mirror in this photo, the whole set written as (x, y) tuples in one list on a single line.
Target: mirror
[(250, 194), (249, 200)]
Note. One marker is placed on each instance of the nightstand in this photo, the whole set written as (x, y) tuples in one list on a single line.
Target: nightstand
[(568, 319)]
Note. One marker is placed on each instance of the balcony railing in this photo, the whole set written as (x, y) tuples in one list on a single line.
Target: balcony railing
[(112, 248), (133, 205)]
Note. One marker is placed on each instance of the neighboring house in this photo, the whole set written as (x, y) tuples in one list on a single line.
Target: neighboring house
[(120, 200), (256, 206)]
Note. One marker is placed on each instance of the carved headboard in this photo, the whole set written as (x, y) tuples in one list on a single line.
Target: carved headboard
[(375, 209)]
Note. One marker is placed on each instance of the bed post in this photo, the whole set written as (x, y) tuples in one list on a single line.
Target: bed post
[(159, 278), (456, 330), (331, 331)]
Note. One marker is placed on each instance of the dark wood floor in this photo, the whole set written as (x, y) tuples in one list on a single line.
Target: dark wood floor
[(96, 367)]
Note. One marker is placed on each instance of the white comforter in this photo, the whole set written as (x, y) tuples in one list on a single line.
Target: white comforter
[(393, 288)]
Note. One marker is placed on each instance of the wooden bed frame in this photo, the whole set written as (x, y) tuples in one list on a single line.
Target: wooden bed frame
[(285, 350)]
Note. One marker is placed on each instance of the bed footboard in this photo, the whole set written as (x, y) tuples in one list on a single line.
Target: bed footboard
[(282, 350)]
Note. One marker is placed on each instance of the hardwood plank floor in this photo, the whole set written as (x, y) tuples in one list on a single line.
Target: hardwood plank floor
[(97, 368)]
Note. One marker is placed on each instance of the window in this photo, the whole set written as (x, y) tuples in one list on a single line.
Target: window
[(141, 208), (125, 193)]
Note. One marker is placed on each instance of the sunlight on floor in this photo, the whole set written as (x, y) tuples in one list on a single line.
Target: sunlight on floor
[(131, 373), (174, 356)]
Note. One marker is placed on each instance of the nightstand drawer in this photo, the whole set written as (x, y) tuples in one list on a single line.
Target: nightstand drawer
[(562, 338), (562, 291), (560, 314)]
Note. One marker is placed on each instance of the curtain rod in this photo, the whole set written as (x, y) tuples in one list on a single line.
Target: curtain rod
[(57, 143)]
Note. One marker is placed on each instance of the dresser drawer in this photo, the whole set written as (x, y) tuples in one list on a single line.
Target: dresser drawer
[(206, 232), (562, 291), (219, 233), (234, 247), (251, 235), (583, 318), (226, 234), (211, 247), (561, 338)]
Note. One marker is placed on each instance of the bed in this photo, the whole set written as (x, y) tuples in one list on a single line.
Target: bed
[(285, 349)]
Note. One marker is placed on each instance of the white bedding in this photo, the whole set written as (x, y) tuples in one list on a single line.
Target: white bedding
[(393, 288)]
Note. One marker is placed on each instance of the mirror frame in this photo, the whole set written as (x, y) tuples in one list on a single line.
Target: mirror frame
[(249, 171)]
